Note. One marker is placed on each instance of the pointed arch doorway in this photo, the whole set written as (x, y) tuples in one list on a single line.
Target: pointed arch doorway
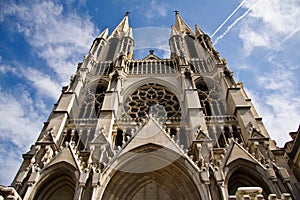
[(173, 180)]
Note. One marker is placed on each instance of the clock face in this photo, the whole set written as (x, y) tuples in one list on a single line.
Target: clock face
[(153, 99)]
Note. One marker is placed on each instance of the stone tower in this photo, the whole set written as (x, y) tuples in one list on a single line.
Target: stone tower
[(177, 128)]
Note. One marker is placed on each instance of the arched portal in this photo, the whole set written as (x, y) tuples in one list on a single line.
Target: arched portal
[(57, 183), (153, 172), (247, 174)]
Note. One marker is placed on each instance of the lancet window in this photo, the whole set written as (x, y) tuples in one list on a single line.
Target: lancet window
[(100, 47), (210, 98), (113, 44), (92, 103), (191, 46)]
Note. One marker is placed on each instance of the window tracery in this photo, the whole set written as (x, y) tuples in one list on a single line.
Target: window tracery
[(210, 99), (92, 103), (152, 98)]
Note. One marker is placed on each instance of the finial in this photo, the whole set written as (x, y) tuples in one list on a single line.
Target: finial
[(151, 51), (127, 13), (176, 12)]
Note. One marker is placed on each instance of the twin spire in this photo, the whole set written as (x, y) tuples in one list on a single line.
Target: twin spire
[(123, 27), (180, 27)]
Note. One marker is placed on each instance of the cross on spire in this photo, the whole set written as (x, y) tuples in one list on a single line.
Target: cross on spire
[(176, 12), (151, 51), (127, 13)]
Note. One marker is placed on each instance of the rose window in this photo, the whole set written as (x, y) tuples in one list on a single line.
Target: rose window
[(153, 99)]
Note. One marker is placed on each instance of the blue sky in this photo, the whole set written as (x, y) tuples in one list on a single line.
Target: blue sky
[(41, 43)]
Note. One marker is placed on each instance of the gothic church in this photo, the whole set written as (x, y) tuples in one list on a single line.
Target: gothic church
[(153, 129)]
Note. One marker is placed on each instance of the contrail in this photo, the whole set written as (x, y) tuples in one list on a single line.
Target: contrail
[(283, 41), (233, 12), (288, 37), (235, 22)]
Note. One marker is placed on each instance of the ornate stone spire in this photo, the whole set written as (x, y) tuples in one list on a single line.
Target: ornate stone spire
[(181, 25), (122, 27)]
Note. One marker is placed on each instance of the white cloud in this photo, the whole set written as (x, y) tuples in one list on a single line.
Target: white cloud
[(278, 100), (264, 32), (6, 68), (10, 162), (253, 39), (280, 112), (20, 124), (155, 9), (42, 82), (277, 80), (270, 21), (18, 119), (57, 37)]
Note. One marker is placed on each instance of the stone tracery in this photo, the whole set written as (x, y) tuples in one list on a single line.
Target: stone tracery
[(93, 101), (153, 99), (210, 98)]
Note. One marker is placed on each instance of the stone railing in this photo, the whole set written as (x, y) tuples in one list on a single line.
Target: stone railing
[(220, 118), (9, 193), (164, 66), (255, 193), (83, 121)]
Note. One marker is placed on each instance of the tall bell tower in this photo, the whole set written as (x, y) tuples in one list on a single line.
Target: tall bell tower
[(176, 128)]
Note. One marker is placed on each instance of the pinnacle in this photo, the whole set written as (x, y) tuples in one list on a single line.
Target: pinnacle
[(174, 31), (104, 34), (181, 25), (198, 31)]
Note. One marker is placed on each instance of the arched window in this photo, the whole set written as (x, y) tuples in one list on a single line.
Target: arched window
[(119, 138), (93, 100), (112, 46), (190, 42), (210, 98), (100, 47)]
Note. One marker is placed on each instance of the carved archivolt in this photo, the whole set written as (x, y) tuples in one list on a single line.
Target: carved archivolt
[(153, 99)]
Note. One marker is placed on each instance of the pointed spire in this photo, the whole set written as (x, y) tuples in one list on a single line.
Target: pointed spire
[(181, 25), (122, 27), (104, 34), (174, 31), (198, 31)]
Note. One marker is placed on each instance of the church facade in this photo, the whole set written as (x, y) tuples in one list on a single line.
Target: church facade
[(176, 128)]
